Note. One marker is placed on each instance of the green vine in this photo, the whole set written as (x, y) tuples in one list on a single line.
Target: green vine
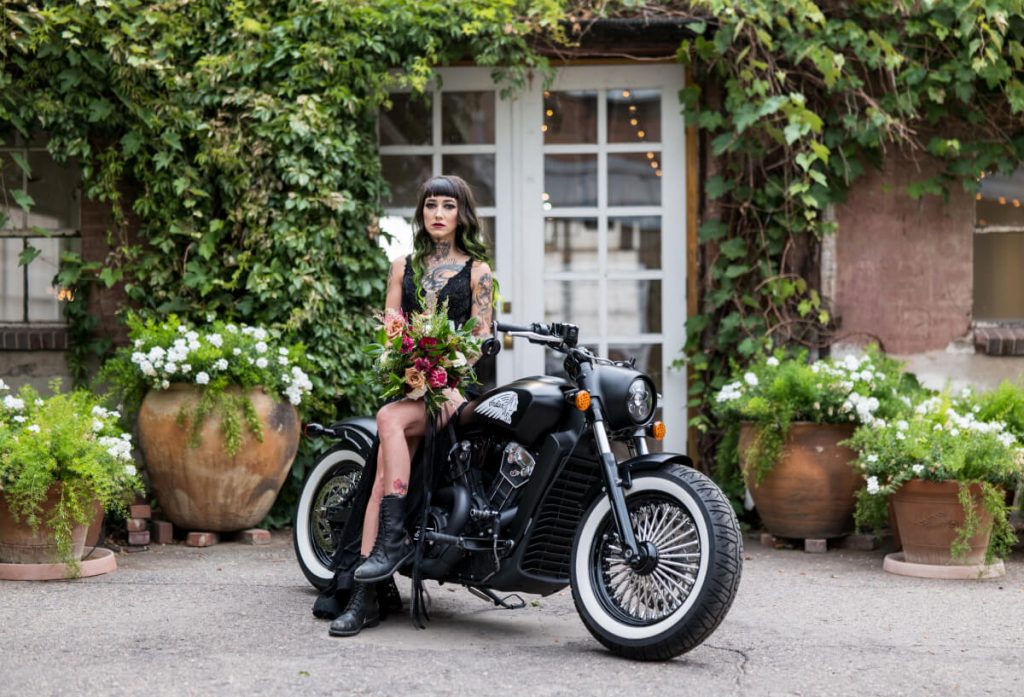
[(227, 405), (1002, 536), (796, 99)]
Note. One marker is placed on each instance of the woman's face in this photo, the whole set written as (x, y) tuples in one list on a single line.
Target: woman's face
[(440, 216)]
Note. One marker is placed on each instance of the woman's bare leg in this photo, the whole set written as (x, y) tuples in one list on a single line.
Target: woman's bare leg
[(400, 426)]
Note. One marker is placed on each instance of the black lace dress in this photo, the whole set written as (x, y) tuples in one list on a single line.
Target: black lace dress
[(332, 600)]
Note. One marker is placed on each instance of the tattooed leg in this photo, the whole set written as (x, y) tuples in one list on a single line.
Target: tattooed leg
[(399, 487)]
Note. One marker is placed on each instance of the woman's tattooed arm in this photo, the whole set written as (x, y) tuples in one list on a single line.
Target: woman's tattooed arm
[(483, 302)]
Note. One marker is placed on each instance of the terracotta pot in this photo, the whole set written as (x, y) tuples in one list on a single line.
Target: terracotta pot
[(928, 515), (20, 544), (204, 488), (810, 492)]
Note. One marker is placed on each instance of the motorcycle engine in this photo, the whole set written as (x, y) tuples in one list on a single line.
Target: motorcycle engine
[(514, 471)]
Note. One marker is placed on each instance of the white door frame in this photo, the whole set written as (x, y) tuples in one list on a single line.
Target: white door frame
[(519, 213)]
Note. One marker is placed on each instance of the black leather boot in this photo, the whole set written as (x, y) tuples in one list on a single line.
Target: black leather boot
[(361, 612), (392, 547)]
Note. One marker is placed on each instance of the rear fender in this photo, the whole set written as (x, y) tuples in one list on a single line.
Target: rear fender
[(360, 432)]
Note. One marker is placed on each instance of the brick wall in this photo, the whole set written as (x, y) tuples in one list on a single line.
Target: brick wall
[(903, 267)]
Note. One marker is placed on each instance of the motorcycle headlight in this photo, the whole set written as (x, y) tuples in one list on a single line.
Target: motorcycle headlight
[(640, 400)]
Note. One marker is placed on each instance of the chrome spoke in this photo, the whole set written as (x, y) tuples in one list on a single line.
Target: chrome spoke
[(653, 594)]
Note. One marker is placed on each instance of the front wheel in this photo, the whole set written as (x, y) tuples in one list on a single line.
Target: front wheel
[(324, 505), (676, 601)]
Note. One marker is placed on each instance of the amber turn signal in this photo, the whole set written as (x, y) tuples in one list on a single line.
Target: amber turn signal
[(657, 430), (582, 400)]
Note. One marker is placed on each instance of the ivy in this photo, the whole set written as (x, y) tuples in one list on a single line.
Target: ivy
[(236, 145), (796, 99)]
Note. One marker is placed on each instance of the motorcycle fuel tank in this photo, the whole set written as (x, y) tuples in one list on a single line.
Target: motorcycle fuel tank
[(526, 409)]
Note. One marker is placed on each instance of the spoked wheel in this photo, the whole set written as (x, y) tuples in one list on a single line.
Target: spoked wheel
[(324, 507), (671, 603)]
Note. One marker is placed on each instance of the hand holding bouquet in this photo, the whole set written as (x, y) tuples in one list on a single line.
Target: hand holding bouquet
[(422, 355)]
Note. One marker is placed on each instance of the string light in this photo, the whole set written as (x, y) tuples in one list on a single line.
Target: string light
[(650, 156), (654, 164), (641, 134), (1016, 203), (632, 122), (545, 196), (1002, 200), (544, 128), (550, 112), (658, 172), (625, 94), (977, 197), (65, 295)]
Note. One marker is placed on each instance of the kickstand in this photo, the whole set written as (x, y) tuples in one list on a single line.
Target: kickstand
[(487, 594)]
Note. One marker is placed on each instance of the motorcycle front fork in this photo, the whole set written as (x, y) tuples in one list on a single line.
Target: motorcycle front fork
[(637, 554)]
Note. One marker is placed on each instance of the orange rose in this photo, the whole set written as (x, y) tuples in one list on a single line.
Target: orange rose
[(415, 379), (394, 324)]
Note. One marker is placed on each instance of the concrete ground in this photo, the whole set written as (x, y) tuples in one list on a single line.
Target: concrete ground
[(235, 620)]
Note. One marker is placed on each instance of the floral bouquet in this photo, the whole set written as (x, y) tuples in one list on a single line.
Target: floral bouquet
[(424, 354)]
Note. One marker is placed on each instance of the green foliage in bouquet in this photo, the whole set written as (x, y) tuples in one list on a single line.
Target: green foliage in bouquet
[(216, 357), (424, 355), (67, 440)]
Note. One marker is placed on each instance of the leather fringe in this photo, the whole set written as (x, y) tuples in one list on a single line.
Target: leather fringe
[(420, 605)]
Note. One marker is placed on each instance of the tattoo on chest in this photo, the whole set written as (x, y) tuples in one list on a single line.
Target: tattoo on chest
[(440, 269)]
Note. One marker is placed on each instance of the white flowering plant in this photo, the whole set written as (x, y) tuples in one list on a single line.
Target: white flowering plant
[(216, 357), (780, 388), (941, 438), (70, 440)]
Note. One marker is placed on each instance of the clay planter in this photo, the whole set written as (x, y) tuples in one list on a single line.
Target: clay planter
[(204, 488), (810, 492), (20, 544), (928, 515)]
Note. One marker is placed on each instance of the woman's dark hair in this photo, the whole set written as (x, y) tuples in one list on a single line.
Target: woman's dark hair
[(467, 230)]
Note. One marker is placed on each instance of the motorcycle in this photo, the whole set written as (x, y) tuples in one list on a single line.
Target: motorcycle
[(536, 498)]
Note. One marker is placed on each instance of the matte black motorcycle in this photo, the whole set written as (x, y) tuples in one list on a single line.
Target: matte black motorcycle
[(536, 498)]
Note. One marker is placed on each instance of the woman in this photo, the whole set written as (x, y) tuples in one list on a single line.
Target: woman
[(448, 261)]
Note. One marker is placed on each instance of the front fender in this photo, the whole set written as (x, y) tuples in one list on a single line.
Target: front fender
[(653, 461)]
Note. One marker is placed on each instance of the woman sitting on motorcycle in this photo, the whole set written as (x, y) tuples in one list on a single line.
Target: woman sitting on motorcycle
[(448, 261)]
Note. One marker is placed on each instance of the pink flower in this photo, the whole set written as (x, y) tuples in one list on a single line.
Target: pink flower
[(394, 324), (437, 377), (407, 344), (428, 342), (422, 364)]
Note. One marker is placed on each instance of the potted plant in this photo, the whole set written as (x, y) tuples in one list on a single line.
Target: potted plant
[(944, 470), (217, 418), (791, 416), (59, 456)]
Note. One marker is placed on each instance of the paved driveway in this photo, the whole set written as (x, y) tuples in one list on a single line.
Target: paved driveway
[(235, 620)]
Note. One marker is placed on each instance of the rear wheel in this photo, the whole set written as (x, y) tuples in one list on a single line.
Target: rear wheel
[(324, 506), (672, 604)]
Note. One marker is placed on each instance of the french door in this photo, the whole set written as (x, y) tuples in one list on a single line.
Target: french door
[(581, 186)]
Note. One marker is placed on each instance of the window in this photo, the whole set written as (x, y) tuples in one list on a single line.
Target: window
[(29, 178), (998, 264)]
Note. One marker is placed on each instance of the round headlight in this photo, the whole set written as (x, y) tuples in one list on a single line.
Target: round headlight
[(640, 401)]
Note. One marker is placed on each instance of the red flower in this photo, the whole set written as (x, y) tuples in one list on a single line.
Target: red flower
[(453, 381), (437, 377), (407, 344), (422, 364), (428, 342)]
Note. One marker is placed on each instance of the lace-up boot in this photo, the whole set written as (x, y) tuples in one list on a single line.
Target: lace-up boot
[(392, 547), (361, 612)]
